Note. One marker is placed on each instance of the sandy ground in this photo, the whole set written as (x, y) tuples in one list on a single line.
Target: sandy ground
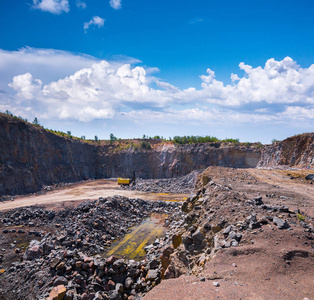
[(74, 194)]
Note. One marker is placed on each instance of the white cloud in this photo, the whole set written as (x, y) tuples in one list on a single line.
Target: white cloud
[(25, 85), (116, 4), (96, 21), (46, 64), (53, 6), (278, 82), (81, 4), (280, 91)]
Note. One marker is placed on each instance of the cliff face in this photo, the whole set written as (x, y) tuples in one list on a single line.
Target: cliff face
[(31, 157), (169, 160), (294, 151)]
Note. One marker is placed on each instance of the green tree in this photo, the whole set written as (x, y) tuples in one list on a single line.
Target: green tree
[(69, 132), (35, 122), (112, 138), (96, 138)]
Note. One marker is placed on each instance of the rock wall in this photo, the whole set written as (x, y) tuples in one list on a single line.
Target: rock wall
[(32, 157), (170, 160), (293, 151)]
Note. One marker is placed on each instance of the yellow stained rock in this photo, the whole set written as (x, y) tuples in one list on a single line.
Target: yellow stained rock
[(176, 240), (57, 293)]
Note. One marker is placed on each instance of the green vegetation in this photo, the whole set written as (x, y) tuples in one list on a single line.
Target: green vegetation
[(301, 217), (146, 145), (35, 122), (112, 138), (202, 139)]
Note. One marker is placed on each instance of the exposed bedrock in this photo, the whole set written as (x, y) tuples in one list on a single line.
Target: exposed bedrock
[(169, 160), (297, 150), (31, 157)]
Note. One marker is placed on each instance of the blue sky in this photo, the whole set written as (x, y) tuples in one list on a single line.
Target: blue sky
[(228, 68)]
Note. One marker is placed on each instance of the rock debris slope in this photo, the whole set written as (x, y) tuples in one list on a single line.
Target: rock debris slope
[(294, 151), (65, 256), (239, 239)]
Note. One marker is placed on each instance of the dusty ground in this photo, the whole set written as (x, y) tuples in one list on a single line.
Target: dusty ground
[(74, 194), (270, 263)]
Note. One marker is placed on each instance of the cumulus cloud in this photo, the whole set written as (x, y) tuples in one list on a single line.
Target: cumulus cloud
[(91, 93), (278, 82), (53, 6), (116, 4), (25, 85), (106, 90), (95, 21)]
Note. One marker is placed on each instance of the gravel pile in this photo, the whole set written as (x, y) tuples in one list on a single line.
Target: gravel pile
[(65, 258), (179, 185)]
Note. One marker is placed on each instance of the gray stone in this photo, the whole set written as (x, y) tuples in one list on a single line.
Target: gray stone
[(114, 295), (128, 282), (153, 264), (60, 280), (119, 288), (98, 296), (215, 283), (198, 237), (234, 243), (309, 177), (281, 224), (152, 275)]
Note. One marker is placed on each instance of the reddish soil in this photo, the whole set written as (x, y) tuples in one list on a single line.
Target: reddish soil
[(269, 263)]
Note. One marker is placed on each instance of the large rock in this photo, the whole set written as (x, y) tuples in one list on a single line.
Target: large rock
[(57, 293), (198, 238), (152, 275), (35, 250), (310, 177), (281, 224)]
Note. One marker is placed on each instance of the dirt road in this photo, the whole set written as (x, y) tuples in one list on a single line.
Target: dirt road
[(77, 193)]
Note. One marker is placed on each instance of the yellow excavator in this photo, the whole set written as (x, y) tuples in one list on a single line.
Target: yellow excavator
[(126, 181)]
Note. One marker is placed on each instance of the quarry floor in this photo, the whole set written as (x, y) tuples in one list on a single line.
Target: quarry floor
[(295, 190), (76, 193), (258, 269)]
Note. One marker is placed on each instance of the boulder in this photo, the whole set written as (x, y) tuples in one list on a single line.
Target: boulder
[(60, 281), (281, 224), (176, 240), (34, 250), (57, 293), (152, 275)]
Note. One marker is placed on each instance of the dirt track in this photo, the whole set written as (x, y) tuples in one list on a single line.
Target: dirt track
[(74, 194)]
